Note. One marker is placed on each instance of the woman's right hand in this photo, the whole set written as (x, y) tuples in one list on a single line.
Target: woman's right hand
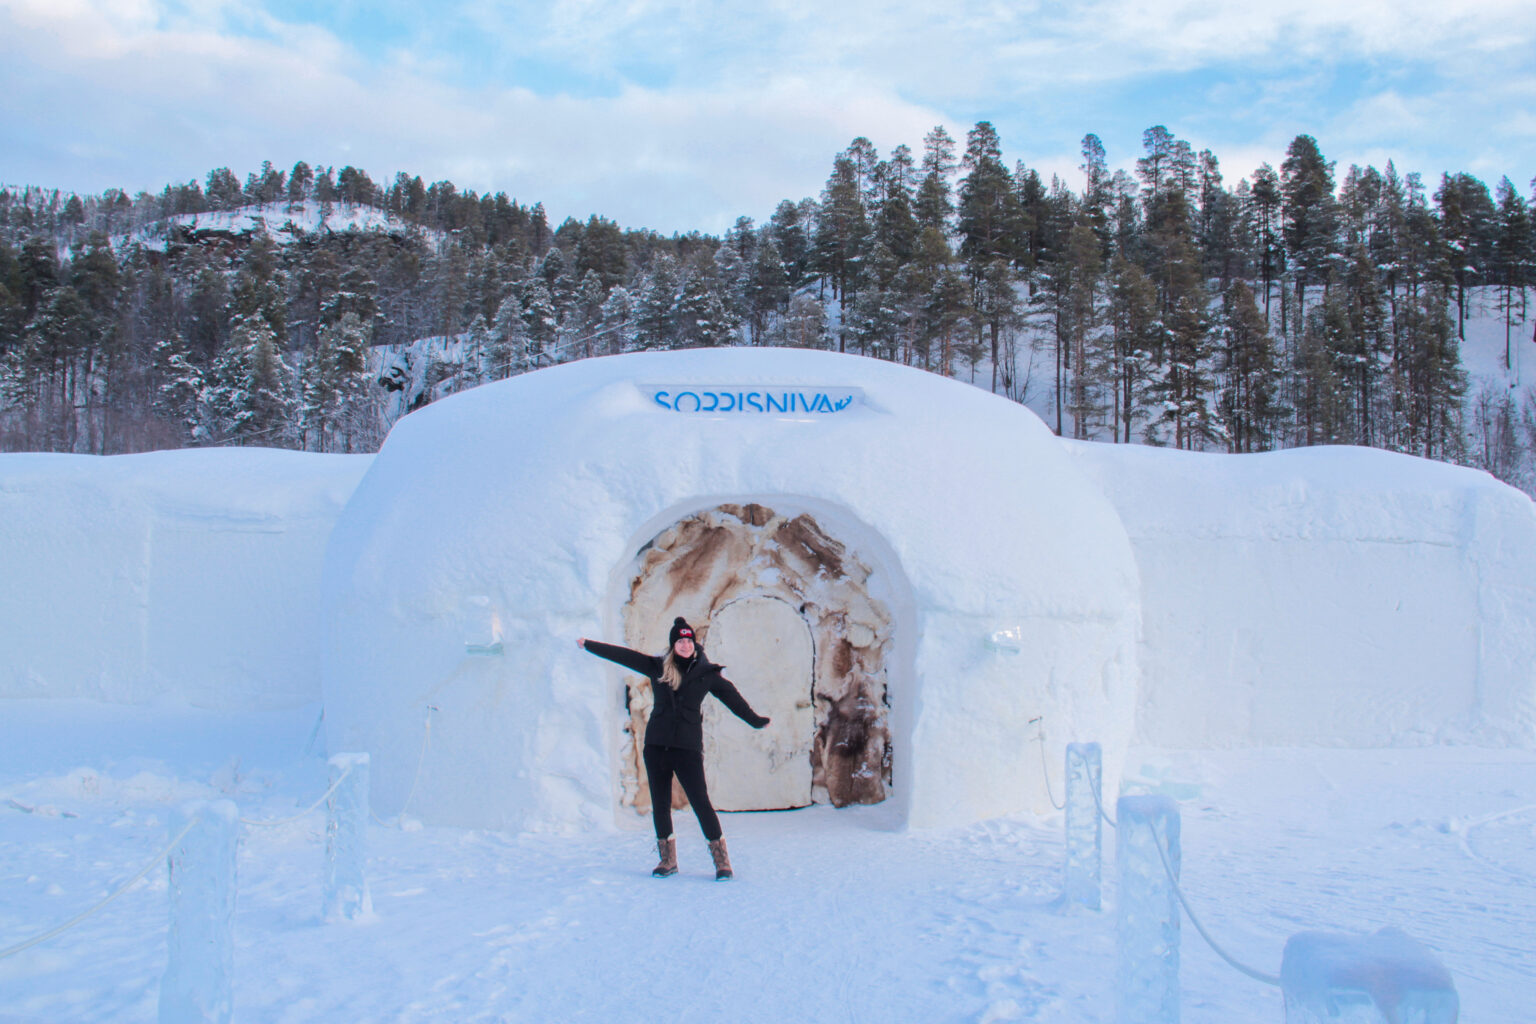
[(581, 642)]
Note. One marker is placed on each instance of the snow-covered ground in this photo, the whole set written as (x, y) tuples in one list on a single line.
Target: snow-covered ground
[(125, 570), (831, 917)]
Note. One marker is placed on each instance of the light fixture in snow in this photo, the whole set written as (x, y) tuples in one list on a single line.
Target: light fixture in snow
[(489, 620), (1007, 641)]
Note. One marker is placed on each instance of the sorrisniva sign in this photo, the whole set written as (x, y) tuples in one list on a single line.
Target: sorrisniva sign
[(755, 400)]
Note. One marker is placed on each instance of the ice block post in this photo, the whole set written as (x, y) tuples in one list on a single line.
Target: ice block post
[(1147, 835), (346, 833), (197, 987), (1084, 832), (1372, 979)]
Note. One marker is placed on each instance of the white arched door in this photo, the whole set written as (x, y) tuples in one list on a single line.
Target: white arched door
[(767, 650)]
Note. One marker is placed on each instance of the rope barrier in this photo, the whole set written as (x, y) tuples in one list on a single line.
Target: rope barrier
[(67, 925), (288, 821), (1100, 803), (421, 758), (1268, 979), (1045, 768)]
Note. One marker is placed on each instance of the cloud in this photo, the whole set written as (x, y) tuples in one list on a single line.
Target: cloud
[(133, 100), (683, 114)]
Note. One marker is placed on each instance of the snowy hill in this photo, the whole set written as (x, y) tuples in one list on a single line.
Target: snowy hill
[(280, 222)]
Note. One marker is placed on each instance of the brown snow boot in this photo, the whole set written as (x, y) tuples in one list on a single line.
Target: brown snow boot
[(722, 859), (667, 848)]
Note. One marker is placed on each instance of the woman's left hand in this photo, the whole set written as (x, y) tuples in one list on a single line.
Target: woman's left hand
[(761, 722)]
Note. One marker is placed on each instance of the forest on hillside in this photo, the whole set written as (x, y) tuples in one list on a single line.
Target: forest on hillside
[(1155, 304)]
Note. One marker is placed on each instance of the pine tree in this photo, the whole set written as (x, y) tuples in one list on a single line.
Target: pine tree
[(996, 304), (842, 230), (988, 210), (1054, 223), (705, 318), (94, 275), (916, 287), (944, 315), (1035, 213), (655, 311), (301, 183), (1322, 390), (730, 276), (223, 190), (251, 388), (804, 325), (874, 321), (989, 228), (334, 407), (790, 228), (1219, 220), (52, 354), (1495, 435), (933, 206), (475, 366), (1467, 228), (178, 386), (895, 225), (1154, 167), (1185, 383), (617, 328), (1433, 380), (12, 314), (1097, 206), (37, 272), (766, 286), (508, 340), (1514, 256), (266, 186), (1076, 280), (541, 325), (1134, 335), (1310, 214)]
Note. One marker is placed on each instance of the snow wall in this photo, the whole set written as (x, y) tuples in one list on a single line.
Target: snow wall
[(190, 577), (515, 515), (1331, 596)]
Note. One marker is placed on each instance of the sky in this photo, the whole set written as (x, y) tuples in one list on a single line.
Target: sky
[(683, 115)]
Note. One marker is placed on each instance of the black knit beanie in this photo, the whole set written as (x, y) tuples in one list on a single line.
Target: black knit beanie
[(680, 628)]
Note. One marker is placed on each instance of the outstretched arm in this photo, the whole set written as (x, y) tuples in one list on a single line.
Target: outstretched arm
[(726, 691), (646, 664)]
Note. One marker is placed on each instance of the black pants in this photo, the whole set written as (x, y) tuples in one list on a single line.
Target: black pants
[(661, 763)]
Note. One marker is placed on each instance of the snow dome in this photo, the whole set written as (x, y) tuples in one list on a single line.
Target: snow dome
[(910, 576), (1327, 596), (184, 577)]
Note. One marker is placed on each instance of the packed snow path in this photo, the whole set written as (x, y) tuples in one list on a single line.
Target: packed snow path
[(831, 917)]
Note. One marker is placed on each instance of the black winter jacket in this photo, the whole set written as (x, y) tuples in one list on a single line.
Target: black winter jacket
[(677, 718)]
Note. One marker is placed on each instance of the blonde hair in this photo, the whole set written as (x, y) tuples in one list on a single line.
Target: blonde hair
[(671, 672)]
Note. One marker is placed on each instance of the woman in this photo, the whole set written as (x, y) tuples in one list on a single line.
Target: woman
[(674, 739)]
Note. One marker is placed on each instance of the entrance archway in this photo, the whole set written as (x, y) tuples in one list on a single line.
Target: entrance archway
[(785, 606)]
